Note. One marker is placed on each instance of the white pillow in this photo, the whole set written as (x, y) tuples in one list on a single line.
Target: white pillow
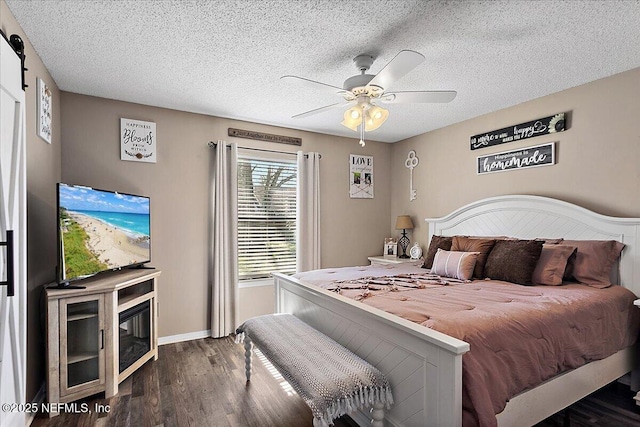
[(457, 265)]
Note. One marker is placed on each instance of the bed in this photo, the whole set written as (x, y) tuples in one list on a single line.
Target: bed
[(423, 365)]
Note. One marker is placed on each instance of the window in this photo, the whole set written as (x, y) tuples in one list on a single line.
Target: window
[(266, 217)]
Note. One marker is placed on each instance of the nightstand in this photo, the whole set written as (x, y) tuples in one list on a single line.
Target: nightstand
[(382, 260)]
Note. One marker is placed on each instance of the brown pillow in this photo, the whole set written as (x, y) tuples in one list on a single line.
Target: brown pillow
[(568, 270), (513, 260), (437, 242), (465, 244), (457, 265), (550, 241), (593, 261), (552, 263), (492, 237)]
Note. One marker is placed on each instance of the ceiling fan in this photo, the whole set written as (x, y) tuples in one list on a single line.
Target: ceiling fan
[(363, 92)]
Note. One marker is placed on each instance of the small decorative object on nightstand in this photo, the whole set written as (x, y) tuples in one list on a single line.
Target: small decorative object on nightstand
[(415, 251), (390, 247), (404, 223)]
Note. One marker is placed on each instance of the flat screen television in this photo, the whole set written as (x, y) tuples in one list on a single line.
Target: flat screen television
[(100, 231)]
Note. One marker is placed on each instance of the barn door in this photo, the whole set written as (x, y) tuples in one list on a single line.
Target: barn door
[(13, 233)]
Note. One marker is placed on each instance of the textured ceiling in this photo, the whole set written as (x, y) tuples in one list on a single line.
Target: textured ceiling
[(225, 58)]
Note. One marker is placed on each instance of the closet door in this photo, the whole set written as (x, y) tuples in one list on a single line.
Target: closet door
[(13, 233)]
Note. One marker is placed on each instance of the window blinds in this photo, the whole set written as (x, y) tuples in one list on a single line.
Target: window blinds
[(266, 217)]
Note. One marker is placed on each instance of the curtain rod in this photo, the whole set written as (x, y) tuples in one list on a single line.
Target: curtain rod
[(212, 144)]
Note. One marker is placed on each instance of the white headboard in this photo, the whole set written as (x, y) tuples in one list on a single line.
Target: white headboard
[(528, 217)]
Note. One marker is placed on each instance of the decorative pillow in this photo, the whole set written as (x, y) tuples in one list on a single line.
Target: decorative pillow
[(437, 242), (492, 237), (466, 244), (458, 265), (551, 264), (568, 270), (593, 261), (513, 260), (550, 241)]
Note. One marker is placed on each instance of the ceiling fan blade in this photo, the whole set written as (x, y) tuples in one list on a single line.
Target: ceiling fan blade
[(400, 65), (319, 110), (419, 96), (311, 83)]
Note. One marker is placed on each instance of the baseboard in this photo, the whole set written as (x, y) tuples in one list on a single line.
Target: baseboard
[(184, 337), (362, 418), (37, 401)]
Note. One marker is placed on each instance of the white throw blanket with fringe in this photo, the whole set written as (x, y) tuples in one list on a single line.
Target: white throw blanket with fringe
[(330, 379)]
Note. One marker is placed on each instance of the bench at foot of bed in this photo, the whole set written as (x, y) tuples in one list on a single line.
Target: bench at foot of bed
[(332, 380)]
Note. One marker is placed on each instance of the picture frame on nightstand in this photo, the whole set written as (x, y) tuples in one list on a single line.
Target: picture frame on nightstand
[(390, 247)]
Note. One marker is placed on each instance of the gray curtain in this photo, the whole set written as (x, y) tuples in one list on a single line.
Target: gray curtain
[(224, 240), (308, 212)]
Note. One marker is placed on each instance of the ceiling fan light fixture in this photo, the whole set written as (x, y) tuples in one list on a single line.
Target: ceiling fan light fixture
[(365, 89), (352, 118), (374, 118)]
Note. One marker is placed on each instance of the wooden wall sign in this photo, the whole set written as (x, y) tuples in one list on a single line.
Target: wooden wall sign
[(259, 136), (519, 132), (529, 157)]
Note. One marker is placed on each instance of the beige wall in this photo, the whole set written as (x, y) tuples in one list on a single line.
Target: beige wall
[(43, 171), (178, 186), (598, 156)]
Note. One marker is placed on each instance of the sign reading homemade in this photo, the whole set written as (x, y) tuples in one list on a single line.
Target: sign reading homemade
[(519, 132), (529, 157)]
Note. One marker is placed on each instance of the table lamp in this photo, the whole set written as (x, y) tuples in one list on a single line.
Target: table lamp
[(404, 223)]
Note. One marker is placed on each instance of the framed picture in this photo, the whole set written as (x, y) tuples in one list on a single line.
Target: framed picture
[(44, 110), (390, 247), (137, 141), (360, 177)]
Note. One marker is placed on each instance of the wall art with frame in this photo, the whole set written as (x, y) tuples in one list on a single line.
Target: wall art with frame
[(44, 105), (360, 176)]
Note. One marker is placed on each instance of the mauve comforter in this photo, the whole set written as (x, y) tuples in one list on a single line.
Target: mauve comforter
[(519, 335)]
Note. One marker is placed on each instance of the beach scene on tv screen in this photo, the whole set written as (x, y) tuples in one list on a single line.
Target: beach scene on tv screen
[(101, 230)]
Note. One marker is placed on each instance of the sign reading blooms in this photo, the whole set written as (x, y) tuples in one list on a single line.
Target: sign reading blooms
[(137, 141)]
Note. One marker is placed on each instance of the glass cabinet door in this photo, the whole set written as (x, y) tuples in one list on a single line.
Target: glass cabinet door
[(82, 343)]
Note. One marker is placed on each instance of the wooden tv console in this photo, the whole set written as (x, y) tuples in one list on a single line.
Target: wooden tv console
[(83, 333)]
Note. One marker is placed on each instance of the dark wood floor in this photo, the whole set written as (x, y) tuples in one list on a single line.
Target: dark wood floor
[(202, 383), (611, 406)]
